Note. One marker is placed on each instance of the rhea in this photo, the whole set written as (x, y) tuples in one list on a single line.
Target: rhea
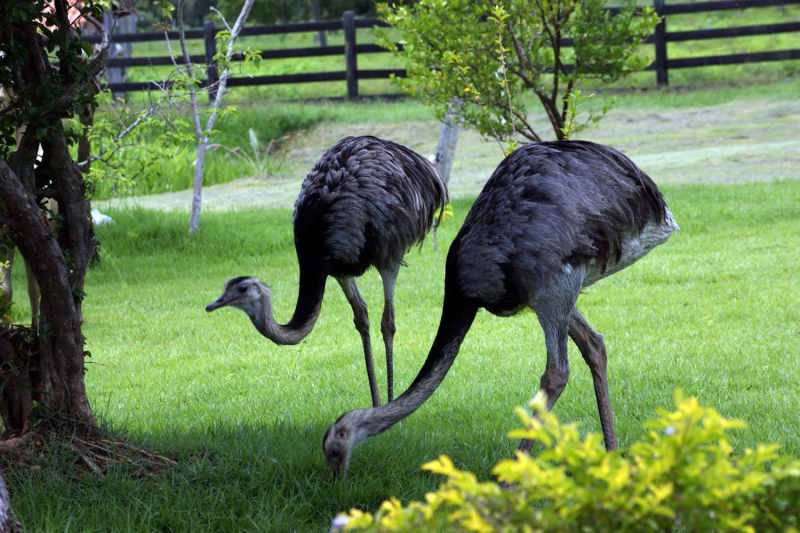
[(365, 203), (553, 218)]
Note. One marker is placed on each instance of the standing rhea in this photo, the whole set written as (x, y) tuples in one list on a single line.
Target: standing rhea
[(365, 203), (554, 217)]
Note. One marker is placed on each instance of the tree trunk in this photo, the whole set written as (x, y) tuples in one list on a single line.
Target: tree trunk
[(51, 375), (46, 371), (8, 521), (200, 134), (446, 147), (197, 184), (445, 152), (86, 117)]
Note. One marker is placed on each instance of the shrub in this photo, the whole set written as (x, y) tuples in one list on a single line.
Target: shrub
[(682, 476)]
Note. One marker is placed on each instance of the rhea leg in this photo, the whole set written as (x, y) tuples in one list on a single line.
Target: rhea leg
[(361, 321), (553, 306), (388, 328), (593, 350)]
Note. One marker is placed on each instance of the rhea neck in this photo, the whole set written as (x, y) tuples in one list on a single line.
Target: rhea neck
[(457, 317), (309, 301)]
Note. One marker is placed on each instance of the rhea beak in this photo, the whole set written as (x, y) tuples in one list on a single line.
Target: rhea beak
[(216, 304), (338, 458), (338, 464)]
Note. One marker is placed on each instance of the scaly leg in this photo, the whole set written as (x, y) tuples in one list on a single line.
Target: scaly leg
[(361, 321), (553, 307), (388, 328), (593, 350)]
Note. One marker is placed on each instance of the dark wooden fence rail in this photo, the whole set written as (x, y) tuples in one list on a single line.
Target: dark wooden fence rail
[(350, 50)]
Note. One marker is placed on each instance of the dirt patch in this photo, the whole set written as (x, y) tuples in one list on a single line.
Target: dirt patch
[(727, 143)]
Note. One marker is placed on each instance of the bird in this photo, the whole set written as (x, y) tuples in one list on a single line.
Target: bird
[(554, 217), (365, 203)]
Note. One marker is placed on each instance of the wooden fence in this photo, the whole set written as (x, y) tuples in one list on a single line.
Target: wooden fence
[(350, 50)]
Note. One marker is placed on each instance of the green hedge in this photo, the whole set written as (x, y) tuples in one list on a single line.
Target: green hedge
[(684, 476)]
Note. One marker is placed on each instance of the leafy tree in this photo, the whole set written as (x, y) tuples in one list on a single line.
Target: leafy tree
[(189, 75), (281, 11), (486, 58), (45, 386)]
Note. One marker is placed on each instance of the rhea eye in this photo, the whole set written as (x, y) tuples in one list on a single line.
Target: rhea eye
[(242, 289), (342, 434)]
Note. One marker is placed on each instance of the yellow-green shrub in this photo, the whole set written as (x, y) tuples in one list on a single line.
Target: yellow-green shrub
[(682, 476)]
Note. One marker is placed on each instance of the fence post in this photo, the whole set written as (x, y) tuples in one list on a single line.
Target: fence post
[(209, 40), (348, 23), (662, 74), (316, 12)]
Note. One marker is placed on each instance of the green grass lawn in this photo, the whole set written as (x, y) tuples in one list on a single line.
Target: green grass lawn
[(715, 312), (280, 121)]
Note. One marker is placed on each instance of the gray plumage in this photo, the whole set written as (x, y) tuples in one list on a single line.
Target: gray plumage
[(554, 217), (365, 203)]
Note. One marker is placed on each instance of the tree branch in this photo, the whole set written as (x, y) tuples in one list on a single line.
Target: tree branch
[(550, 109), (221, 17), (132, 126), (529, 133), (524, 60), (570, 85), (223, 79)]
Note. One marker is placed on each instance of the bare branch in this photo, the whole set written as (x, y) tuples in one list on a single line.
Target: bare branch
[(221, 17), (223, 79), (528, 132)]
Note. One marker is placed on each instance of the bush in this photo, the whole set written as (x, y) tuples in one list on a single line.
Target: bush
[(682, 476)]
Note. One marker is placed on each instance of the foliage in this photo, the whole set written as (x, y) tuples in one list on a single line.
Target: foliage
[(258, 159), (282, 11), (14, 53), (487, 55), (682, 475), (132, 144), (128, 143), (158, 155)]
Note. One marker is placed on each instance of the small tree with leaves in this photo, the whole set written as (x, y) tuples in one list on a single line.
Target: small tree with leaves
[(489, 57), (49, 69)]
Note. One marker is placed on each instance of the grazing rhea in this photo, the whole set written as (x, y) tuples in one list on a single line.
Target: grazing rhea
[(554, 217), (365, 203)]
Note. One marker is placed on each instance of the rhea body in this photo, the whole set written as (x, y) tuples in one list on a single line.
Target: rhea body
[(553, 218), (365, 203)]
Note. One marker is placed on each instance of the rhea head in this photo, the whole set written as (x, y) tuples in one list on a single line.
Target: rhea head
[(345, 434), (244, 292)]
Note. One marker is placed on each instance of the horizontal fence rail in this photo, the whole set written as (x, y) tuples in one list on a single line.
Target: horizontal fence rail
[(351, 49)]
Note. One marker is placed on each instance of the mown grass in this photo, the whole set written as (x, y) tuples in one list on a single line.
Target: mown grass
[(272, 121), (713, 312)]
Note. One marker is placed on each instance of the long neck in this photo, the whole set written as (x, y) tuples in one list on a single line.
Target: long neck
[(306, 311), (457, 317)]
